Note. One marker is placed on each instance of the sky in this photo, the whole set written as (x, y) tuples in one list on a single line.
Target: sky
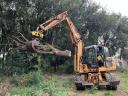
[(118, 6)]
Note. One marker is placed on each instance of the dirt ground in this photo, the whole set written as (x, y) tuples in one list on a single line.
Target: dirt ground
[(4, 87)]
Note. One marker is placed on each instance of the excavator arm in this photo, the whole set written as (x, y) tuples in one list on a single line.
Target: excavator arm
[(74, 35)]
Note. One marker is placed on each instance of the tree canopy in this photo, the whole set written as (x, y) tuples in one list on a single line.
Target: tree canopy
[(23, 16)]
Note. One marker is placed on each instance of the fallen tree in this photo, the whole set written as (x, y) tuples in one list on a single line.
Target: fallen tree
[(36, 47)]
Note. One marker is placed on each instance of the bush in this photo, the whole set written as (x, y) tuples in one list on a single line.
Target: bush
[(36, 77), (27, 79), (52, 87), (23, 80), (69, 69)]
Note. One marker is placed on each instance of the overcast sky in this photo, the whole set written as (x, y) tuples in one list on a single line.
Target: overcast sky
[(115, 6)]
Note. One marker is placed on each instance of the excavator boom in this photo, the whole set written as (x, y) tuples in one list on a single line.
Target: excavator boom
[(63, 17), (74, 35)]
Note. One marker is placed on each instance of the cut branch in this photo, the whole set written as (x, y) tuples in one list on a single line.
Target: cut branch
[(36, 47), (23, 37)]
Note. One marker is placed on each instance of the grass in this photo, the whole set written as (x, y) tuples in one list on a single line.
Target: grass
[(57, 85), (38, 86), (124, 82)]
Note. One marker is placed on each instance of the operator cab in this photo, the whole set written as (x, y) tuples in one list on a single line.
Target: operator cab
[(95, 56)]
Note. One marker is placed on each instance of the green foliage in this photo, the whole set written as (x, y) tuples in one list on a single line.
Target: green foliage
[(93, 90), (108, 94), (33, 78), (56, 85), (65, 68), (25, 15), (19, 62), (23, 80), (122, 70), (37, 86), (28, 91), (36, 77)]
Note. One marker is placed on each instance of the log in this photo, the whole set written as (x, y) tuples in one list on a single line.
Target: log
[(35, 47), (49, 49)]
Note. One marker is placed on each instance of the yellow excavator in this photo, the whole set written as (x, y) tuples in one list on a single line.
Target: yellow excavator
[(91, 65)]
